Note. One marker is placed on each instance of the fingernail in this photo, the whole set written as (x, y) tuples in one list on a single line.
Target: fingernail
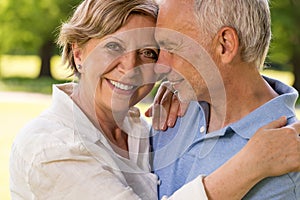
[(170, 123)]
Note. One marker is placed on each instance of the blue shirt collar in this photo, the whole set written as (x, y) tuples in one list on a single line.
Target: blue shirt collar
[(284, 105)]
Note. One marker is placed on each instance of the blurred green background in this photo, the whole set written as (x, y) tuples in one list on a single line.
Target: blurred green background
[(30, 62)]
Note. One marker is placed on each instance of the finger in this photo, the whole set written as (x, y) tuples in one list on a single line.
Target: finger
[(276, 124), (163, 115), (155, 108), (166, 102), (149, 111), (183, 108), (160, 93), (155, 116), (173, 112), (166, 84)]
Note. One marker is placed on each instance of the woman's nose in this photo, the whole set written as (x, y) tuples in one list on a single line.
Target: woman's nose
[(128, 62)]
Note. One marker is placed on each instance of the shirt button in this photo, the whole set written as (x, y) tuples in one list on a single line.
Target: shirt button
[(202, 129)]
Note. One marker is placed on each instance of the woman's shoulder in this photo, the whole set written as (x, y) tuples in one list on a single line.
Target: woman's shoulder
[(41, 133)]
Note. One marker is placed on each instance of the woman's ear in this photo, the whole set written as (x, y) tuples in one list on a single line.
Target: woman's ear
[(227, 42), (77, 55)]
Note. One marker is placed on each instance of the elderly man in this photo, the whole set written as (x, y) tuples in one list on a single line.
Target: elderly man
[(211, 52)]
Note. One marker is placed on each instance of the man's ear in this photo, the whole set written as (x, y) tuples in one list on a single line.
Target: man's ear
[(227, 43), (77, 55)]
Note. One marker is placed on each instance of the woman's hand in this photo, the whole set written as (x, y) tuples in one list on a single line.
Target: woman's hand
[(166, 107), (274, 150)]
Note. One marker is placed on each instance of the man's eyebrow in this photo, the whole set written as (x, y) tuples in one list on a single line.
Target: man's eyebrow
[(167, 39)]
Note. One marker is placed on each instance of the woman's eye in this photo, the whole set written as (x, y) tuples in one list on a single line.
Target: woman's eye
[(149, 53), (113, 46)]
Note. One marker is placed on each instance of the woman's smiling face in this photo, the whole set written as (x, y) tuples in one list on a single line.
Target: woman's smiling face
[(118, 70)]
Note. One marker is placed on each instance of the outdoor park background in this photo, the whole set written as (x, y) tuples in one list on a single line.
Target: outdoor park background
[(29, 61)]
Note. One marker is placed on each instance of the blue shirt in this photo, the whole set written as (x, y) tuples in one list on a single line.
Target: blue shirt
[(186, 151)]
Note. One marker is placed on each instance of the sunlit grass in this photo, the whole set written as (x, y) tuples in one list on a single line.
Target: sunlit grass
[(20, 66), (29, 66), (19, 73), (13, 116)]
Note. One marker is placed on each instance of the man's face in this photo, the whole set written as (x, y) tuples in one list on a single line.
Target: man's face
[(186, 63)]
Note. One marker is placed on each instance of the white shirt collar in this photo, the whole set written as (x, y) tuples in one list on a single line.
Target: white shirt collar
[(73, 117)]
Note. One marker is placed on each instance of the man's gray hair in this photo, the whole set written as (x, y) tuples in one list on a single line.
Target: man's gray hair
[(250, 18)]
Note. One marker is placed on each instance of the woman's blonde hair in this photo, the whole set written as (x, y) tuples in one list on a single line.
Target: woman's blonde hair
[(96, 19)]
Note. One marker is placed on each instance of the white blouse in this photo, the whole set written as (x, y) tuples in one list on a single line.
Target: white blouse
[(62, 155)]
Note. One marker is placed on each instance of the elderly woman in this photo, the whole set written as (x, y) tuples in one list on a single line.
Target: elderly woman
[(86, 146)]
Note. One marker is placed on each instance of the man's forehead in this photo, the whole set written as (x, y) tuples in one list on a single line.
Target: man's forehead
[(175, 14), (176, 29)]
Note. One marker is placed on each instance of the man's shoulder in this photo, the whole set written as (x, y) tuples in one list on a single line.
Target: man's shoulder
[(286, 186)]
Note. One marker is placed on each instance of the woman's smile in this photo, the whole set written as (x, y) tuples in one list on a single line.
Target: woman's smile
[(121, 88)]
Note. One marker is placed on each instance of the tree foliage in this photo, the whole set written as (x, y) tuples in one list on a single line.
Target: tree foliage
[(31, 27), (285, 47)]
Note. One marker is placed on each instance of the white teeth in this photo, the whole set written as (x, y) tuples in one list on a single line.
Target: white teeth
[(121, 86)]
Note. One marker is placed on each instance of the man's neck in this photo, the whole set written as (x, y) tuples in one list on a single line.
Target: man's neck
[(245, 90)]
